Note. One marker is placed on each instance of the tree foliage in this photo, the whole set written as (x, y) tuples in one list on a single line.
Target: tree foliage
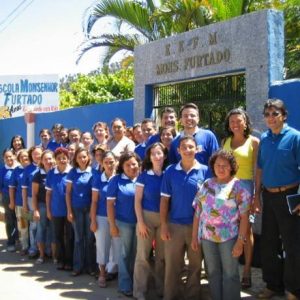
[(79, 90)]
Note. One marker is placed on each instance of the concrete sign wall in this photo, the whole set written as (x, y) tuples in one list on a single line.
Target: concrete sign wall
[(252, 44)]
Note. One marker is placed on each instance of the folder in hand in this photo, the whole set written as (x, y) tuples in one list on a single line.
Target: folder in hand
[(293, 201)]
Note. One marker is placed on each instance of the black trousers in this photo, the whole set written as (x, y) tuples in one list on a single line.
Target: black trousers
[(280, 243), (64, 237), (10, 222)]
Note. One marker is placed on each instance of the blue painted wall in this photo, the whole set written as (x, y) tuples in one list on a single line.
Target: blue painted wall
[(81, 117), (289, 92)]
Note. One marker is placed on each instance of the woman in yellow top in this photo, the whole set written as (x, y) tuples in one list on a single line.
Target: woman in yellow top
[(244, 147)]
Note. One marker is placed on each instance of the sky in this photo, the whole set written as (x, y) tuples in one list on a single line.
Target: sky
[(42, 36)]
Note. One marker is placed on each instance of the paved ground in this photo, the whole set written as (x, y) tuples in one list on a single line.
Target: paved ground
[(22, 279)]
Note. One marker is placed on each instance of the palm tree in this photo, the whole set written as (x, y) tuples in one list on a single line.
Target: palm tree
[(139, 22)]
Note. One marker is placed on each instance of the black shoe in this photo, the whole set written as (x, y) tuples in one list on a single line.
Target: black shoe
[(75, 273), (127, 293), (111, 276)]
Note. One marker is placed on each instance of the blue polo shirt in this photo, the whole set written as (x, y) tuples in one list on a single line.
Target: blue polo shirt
[(151, 193), (16, 183), (140, 150), (56, 182), (279, 157), (81, 196), (53, 145), (122, 190), (28, 174), (100, 185), (153, 139), (5, 175), (182, 187), (207, 144)]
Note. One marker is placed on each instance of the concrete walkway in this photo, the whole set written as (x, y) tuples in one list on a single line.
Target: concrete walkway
[(22, 279)]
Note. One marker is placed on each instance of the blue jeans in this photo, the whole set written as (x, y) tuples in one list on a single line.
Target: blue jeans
[(127, 257), (84, 257), (223, 270)]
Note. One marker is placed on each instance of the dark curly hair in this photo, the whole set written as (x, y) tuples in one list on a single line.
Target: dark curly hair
[(226, 155), (126, 156), (147, 163), (243, 113)]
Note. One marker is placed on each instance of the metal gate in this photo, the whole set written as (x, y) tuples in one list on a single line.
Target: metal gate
[(214, 97)]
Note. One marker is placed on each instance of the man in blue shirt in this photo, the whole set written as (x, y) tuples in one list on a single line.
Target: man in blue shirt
[(206, 141), (179, 187), (277, 176)]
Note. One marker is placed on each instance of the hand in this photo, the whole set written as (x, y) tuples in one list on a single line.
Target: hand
[(256, 206), (296, 210), (49, 215), (195, 244), (25, 209), (143, 230), (93, 226), (36, 215), (114, 231), (11, 205), (70, 217), (237, 249), (165, 233)]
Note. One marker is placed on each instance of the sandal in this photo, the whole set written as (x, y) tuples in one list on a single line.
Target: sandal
[(40, 260), (102, 282), (246, 282)]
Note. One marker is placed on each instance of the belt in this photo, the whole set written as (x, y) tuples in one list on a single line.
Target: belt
[(281, 189)]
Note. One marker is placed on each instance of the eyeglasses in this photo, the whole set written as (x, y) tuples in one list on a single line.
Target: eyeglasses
[(273, 114)]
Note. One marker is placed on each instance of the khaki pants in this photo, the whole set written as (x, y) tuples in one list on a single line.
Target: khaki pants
[(175, 249), (142, 267), (22, 227)]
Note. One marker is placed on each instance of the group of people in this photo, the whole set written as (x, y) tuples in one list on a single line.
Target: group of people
[(112, 201)]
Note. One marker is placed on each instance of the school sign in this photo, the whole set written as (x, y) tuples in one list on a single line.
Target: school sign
[(19, 94)]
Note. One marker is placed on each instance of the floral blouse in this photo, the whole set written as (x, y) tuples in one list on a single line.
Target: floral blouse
[(219, 207)]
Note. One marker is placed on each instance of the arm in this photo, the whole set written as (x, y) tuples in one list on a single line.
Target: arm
[(142, 228), (114, 230), (12, 197), (239, 245), (35, 206), (68, 202), (164, 210), (48, 203), (195, 242), (95, 196), (25, 199)]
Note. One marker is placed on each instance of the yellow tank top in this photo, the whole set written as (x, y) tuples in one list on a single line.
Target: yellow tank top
[(244, 157)]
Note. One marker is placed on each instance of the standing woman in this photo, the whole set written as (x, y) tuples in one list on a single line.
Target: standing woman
[(16, 144), (39, 205), (101, 133), (147, 203), (9, 214), (78, 199), (99, 221), (244, 147), (122, 218), (34, 153), (220, 225), (56, 183), (119, 143), (15, 195)]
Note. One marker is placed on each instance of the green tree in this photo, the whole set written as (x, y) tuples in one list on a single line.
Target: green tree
[(102, 87), (139, 22)]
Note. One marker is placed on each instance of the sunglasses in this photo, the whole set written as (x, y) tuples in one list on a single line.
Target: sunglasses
[(273, 114)]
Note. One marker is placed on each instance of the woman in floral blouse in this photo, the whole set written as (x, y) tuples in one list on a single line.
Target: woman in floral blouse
[(220, 225)]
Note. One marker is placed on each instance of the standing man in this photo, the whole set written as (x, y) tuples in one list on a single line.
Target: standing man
[(168, 119), (278, 175), (206, 141), (179, 187)]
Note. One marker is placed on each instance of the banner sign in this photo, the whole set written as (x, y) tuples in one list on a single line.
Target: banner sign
[(19, 94)]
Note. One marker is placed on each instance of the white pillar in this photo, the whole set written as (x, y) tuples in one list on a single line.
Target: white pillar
[(30, 129)]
